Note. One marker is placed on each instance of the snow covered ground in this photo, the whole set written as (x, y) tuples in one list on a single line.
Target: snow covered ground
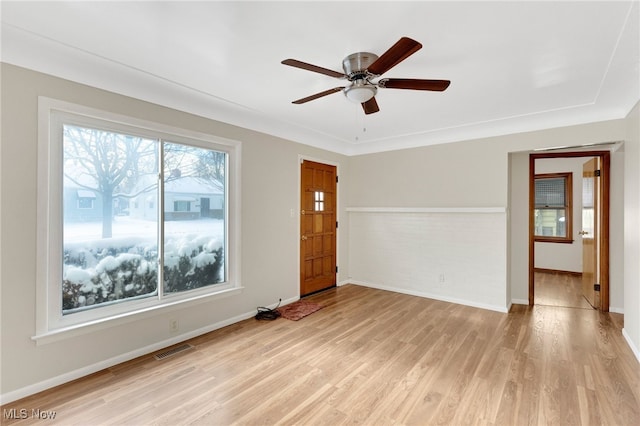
[(125, 226)]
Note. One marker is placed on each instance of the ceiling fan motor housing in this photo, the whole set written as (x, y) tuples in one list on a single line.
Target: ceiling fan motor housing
[(355, 65)]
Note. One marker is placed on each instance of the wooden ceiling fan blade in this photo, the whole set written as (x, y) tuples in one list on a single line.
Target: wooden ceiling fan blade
[(318, 95), (309, 67), (370, 106), (400, 51), (414, 84)]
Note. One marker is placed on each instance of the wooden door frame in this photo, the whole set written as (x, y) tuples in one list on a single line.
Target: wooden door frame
[(302, 158), (605, 177)]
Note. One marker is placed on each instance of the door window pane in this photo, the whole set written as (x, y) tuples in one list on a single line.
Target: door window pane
[(318, 201), (588, 216)]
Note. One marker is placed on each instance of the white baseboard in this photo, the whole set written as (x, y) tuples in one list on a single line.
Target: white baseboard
[(503, 309), (633, 347), (526, 302), (94, 368)]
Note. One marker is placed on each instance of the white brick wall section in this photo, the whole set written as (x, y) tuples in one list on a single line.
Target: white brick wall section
[(456, 255)]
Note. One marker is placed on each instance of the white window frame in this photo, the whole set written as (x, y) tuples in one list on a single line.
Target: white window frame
[(51, 324)]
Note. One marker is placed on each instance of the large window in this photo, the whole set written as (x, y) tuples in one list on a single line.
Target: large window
[(553, 211), (136, 218)]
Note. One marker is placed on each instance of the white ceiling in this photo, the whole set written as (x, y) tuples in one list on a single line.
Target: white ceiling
[(514, 66)]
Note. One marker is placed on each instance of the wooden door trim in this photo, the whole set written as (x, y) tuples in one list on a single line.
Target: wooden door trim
[(605, 159), (301, 159)]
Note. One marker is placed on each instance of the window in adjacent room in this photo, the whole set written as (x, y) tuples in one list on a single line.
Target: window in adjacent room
[(553, 210)]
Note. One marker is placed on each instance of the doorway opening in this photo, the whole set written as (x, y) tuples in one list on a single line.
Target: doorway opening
[(591, 282)]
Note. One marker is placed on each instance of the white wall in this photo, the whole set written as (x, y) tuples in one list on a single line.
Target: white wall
[(454, 255), (490, 172), (452, 176), (269, 246), (631, 329)]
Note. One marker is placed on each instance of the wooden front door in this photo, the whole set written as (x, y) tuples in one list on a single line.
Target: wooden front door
[(590, 232), (317, 227)]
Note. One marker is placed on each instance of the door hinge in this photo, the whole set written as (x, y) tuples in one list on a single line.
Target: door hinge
[(597, 173), (336, 178), (336, 224), (336, 269), (596, 287)]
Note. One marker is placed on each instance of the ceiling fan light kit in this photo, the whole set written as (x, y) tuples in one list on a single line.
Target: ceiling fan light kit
[(361, 91), (362, 67)]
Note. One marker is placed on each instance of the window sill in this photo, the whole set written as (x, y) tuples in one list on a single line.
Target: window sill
[(553, 240), (63, 333)]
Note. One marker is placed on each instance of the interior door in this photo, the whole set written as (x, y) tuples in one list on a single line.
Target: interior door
[(317, 227), (590, 232)]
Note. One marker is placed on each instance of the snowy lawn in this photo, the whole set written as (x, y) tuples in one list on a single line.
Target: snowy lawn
[(125, 226)]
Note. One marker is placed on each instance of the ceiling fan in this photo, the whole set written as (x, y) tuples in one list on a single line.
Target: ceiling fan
[(362, 68)]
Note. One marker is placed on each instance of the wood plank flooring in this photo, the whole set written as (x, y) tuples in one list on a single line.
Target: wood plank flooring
[(372, 357), (559, 289)]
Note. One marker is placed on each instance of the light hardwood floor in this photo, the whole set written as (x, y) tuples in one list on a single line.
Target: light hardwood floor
[(559, 289), (373, 357)]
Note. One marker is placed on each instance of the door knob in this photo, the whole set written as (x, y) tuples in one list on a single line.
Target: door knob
[(304, 238)]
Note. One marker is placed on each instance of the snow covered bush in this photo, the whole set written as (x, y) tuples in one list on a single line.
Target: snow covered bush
[(193, 271), (114, 269)]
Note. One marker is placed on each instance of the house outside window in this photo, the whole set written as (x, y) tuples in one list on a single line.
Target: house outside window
[(553, 207), (85, 203), (85, 199), (121, 261)]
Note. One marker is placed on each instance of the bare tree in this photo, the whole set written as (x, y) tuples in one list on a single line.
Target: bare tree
[(212, 165), (197, 162), (111, 164), (107, 163)]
